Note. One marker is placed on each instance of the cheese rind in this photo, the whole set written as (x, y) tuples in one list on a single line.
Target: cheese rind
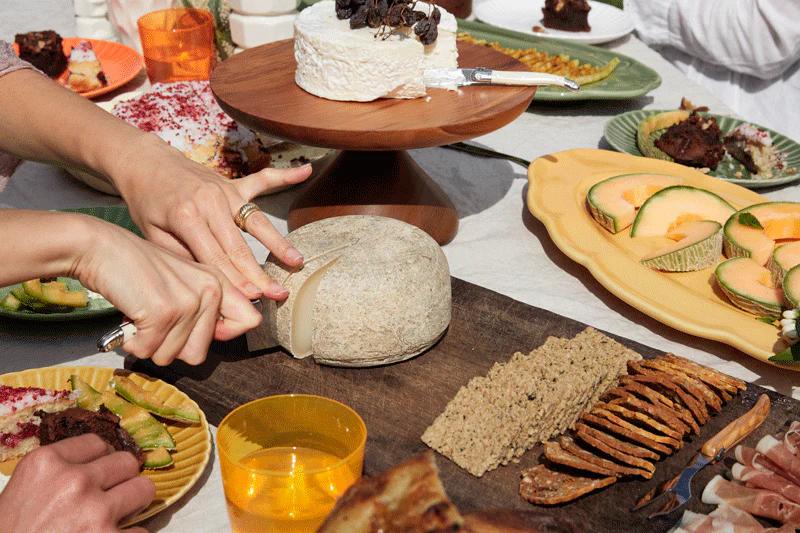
[(250, 31), (384, 296), (339, 63)]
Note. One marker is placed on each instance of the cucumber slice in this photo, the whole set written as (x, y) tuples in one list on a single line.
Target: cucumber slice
[(158, 458), (132, 392)]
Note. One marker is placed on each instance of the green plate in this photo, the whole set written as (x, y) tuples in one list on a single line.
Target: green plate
[(620, 132), (97, 307), (629, 80)]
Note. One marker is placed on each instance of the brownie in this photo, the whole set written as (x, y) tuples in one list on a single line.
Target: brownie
[(43, 50), (567, 15), (75, 421), (695, 142)]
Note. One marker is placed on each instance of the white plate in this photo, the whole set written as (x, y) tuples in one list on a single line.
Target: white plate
[(607, 22)]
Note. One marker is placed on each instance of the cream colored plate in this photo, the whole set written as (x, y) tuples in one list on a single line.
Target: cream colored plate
[(689, 302), (193, 443)]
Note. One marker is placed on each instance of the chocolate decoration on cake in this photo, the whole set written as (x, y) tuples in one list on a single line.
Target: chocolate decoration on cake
[(696, 142), (566, 15), (43, 50)]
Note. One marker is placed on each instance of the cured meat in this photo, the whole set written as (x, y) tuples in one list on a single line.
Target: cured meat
[(779, 454), (656, 398), (558, 455), (638, 416), (583, 431), (757, 502), (635, 436), (616, 454), (758, 479), (698, 409), (751, 458), (542, 486), (608, 415), (694, 522), (659, 412), (568, 445), (699, 371), (792, 438)]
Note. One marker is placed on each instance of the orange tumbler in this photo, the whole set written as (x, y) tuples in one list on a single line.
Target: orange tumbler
[(177, 44)]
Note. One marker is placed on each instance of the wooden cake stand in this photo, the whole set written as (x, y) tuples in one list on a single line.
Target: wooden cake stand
[(374, 175)]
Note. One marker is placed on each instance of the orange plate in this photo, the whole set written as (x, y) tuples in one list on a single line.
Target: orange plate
[(120, 63)]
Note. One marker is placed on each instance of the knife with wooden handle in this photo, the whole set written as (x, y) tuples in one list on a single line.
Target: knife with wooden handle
[(676, 491)]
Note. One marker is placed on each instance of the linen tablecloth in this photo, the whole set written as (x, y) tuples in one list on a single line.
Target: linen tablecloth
[(499, 245)]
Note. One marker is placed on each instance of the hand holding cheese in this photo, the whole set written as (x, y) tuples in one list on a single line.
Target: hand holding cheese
[(373, 291)]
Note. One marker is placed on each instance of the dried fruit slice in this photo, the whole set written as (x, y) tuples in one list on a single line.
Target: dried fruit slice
[(613, 202), (698, 245), (542, 486), (568, 445), (748, 286)]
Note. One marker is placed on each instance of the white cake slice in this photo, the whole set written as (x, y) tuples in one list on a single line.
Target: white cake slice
[(339, 63)]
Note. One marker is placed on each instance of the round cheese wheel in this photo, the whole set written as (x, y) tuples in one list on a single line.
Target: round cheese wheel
[(373, 291)]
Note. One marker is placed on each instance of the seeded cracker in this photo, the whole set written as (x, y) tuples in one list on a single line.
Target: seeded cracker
[(531, 398)]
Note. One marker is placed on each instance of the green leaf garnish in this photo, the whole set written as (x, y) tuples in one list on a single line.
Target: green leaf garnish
[(789, 355), (748, 219), (766, 319)]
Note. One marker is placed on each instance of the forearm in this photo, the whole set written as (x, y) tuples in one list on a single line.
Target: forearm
[(42, 244), (40, 120)]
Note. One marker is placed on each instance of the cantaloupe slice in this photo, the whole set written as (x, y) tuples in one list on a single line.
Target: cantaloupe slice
[(673, 206), (791, 286), (748, 285), (698, 245), (613, 202), (783, 258), (743, 238), (661, 121)]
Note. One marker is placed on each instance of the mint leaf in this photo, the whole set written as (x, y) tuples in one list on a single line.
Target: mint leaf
[(789, 355), (766, 319), (748, 219)]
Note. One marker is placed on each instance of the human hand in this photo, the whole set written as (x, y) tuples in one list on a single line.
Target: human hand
[(75, 485), (175, 303), (188, 209)]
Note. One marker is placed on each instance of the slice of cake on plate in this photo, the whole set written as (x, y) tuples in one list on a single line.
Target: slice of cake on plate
[(43, 50), (85, 71), (353, 52), (753, 148), (19, 426), (566, 15)]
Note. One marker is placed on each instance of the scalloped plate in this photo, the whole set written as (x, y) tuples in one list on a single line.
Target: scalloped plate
[(689, 302), (620, 132), (193, 443)]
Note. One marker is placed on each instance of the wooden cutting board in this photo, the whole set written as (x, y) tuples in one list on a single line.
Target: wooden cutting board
[(398, 402)]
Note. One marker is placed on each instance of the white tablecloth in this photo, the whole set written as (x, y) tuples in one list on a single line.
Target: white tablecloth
[(499, 245)]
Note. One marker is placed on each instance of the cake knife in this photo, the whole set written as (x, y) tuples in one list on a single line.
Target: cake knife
[(451, 78)]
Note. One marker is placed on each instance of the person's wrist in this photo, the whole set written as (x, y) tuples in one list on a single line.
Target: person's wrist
[(85, 236), (140, 159)]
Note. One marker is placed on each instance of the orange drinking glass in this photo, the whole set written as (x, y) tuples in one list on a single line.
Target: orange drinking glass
[(286, 459), (177, 44)]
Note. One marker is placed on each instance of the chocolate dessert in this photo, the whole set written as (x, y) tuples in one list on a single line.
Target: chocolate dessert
[(695, 142), (43, 50), (567, 15), (75, 421)]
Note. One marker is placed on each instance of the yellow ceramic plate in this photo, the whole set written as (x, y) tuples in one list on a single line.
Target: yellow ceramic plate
[(193, 442), (689, 302)]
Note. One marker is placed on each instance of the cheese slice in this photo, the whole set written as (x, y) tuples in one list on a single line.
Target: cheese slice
[(339, 63), (373, 291)]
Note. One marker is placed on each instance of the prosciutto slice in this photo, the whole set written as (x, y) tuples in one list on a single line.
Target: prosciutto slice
[(757, 502), (776, 451), (751, 458), (758, 479)]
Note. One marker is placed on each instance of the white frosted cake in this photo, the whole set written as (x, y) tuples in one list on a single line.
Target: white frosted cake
[(364, 64)]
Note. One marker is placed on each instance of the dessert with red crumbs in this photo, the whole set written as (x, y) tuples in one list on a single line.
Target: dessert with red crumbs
[(566, 15), (754, 148), (19, 421), (85, 71), (187, 116), (43, 50), (695, 142)]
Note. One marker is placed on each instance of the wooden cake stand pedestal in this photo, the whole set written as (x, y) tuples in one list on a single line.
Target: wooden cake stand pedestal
[(374, 175)]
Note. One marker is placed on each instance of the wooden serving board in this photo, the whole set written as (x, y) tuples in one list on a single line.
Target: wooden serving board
[(399, 401)]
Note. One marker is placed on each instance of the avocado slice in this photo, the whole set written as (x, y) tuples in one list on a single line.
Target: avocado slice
[(158, 458), (10, 302), (132, 392), (147, 432), (54, 294)]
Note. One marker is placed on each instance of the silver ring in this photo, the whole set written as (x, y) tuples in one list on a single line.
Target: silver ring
[(244, 212)]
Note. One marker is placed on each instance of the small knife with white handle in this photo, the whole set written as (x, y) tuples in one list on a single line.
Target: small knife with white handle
[(452, 78)]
